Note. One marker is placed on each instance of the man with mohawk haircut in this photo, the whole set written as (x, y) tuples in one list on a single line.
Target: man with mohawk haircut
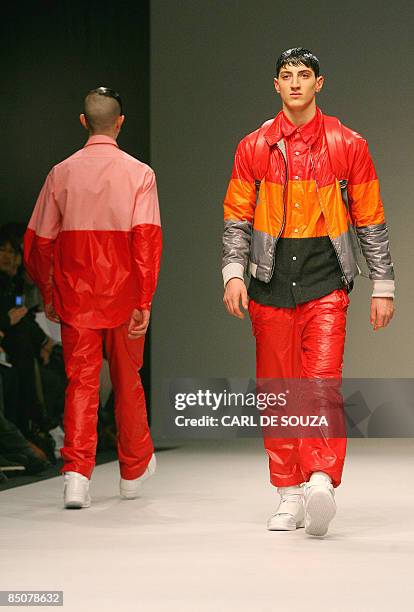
[(299, 184), (93, 246)]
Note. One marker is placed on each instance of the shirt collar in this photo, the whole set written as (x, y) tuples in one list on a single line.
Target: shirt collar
[(282, 127), (100, 139), (309, 131)]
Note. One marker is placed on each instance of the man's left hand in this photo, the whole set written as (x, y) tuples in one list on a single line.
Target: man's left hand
[(138, 324), (382, 311)]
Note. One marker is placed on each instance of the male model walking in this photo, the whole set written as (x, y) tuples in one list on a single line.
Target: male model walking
[(294, 239), (93, 246)]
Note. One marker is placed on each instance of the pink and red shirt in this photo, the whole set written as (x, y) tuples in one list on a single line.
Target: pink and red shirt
[(93, 244)]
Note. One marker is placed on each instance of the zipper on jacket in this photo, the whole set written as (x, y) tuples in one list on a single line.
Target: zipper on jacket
[(284, 212), (345, 280)]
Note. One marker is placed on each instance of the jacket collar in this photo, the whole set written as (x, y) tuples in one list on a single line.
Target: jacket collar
[(100, 139), (282, 127)]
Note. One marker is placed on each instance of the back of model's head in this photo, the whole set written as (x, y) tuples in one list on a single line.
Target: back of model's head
[(296, 56), (102, 107)]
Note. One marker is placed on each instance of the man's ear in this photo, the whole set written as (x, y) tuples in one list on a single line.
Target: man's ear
[(276, 84), (83, 121), (120, 121), (319, 83)]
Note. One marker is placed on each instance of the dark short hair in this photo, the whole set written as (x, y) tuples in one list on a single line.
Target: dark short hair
[(109, 93), (6, 238), (296, 56), (102, 107)]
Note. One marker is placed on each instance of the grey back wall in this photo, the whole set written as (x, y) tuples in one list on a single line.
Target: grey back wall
[(54, 53), (212, 66)]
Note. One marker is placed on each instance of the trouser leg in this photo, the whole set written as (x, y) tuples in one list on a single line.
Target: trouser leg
[(323, 329), (278, 359), (125, 359), (82, 352)]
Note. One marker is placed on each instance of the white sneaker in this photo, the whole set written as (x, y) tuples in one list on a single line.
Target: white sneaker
[(290, 513), (320, 506), (129, 489), (76, 490)]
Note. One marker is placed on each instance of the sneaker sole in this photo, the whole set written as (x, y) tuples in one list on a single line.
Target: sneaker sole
[(77, 504), (285, 528), (320, 510), (283, 525)]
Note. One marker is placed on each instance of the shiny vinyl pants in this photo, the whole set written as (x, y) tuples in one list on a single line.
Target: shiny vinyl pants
[(294, 343), (83, 353)]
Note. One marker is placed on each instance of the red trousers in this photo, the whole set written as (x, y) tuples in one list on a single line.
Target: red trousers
[(82, 350), (295, 343)]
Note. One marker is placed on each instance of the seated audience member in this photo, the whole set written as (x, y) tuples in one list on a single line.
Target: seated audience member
[(15, 450), (16, 230), (29, 350)]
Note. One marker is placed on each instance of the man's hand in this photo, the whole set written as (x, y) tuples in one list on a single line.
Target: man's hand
[(17, 314), (139, 324), (51, 314), (382, 311), (234, 293)]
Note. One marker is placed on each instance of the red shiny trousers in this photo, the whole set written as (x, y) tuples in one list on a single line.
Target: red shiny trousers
[(83, 353), (295, 343)]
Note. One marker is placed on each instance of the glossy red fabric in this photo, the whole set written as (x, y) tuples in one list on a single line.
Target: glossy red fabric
[(99, 277), (295, 343), (93, 243), (83, 353)]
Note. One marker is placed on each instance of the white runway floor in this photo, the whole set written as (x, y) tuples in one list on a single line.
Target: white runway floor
[(196, 539)]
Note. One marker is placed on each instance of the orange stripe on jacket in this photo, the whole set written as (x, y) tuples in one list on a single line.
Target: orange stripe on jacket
[(365, 204), (240, 201), (269, 211)]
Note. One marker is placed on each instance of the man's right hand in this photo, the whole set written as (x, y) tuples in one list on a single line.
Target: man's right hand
[(17, 314), (234, 293), (51, 314)]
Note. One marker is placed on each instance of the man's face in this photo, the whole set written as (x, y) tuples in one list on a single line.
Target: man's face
[(8, 259), (297, 86)]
